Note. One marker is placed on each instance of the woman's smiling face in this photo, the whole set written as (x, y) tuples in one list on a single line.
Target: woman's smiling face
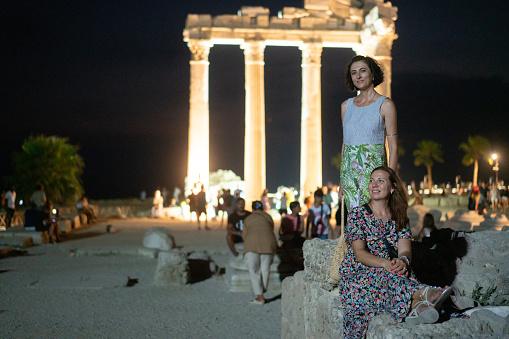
[(380, 186), (361, 75)]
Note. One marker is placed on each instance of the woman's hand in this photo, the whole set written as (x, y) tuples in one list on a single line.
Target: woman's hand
[(399, 266)]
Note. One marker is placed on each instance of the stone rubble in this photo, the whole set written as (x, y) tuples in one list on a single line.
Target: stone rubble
[(159, 238)]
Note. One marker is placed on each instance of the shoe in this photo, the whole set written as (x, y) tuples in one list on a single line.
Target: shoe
[(423, 313), (257, 302), (207, 228), (444, 294)]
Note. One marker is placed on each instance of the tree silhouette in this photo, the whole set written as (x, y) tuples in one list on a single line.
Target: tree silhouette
[(426, 153), (54, 163), (475, 149)]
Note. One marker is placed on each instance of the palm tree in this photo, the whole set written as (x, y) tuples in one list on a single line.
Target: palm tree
[(54, 163), (428, 151), (475, 148)]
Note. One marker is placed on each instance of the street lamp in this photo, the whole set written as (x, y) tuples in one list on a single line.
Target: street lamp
[(495, 168)]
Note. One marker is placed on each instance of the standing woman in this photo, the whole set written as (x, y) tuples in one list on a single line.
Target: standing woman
[(367, 119)]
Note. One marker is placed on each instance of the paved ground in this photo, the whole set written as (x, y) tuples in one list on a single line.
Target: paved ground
[(77, 289)]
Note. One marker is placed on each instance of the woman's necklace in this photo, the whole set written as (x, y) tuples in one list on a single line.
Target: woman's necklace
[(370, 100)]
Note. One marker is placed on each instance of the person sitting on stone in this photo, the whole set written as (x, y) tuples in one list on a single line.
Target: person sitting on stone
[(375, 274), (82, 206), (292, 226), (428, 226), (236, 225), (474, 197)]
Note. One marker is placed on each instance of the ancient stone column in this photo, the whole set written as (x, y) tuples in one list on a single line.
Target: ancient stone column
[(198, 162), (311, 120), (254, 147)]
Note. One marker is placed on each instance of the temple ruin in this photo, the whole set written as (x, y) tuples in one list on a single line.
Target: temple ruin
[(367, 27)]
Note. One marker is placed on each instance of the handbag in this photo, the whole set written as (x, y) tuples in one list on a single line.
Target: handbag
[(341, 248)]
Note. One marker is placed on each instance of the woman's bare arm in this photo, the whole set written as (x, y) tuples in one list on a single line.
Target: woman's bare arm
[(388, 112), (363, 256)]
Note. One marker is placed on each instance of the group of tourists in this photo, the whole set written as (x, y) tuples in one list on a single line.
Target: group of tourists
[(483, 197)]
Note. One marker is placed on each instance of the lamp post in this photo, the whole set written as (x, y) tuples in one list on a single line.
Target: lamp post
[(495, 168)]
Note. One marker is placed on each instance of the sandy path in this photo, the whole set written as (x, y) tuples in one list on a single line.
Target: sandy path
[(51, 294)]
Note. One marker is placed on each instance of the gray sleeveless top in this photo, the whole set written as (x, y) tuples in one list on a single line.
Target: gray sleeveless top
[(363, 125)]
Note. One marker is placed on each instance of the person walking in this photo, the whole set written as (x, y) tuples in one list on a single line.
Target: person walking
[(367, 119), (10, 205), (201, 200), (260, 245)]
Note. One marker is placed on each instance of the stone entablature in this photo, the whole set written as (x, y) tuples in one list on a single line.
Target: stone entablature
[(339, 26)]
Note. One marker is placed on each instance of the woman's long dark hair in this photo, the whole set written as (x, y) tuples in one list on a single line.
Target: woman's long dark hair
[(398, 200)]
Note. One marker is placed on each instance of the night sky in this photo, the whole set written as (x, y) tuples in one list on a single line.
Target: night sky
[(113, 77)]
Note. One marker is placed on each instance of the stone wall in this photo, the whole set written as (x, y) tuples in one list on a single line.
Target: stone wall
[(311, 306)]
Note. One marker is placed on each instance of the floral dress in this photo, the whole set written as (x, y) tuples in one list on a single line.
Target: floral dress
[(356, 166), (367, 291), (364, 149)]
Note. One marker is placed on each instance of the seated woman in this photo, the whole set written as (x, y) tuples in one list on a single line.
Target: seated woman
[(374, 275), (428, 226), (292, 226), (473, 199)]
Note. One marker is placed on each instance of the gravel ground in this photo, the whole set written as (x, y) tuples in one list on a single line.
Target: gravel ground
[(54, 293)]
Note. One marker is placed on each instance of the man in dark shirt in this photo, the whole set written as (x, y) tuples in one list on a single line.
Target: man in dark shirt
[(236, 224), (201, 200)]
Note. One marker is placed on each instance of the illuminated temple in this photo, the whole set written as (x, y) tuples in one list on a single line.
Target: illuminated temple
[(367, 27)]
